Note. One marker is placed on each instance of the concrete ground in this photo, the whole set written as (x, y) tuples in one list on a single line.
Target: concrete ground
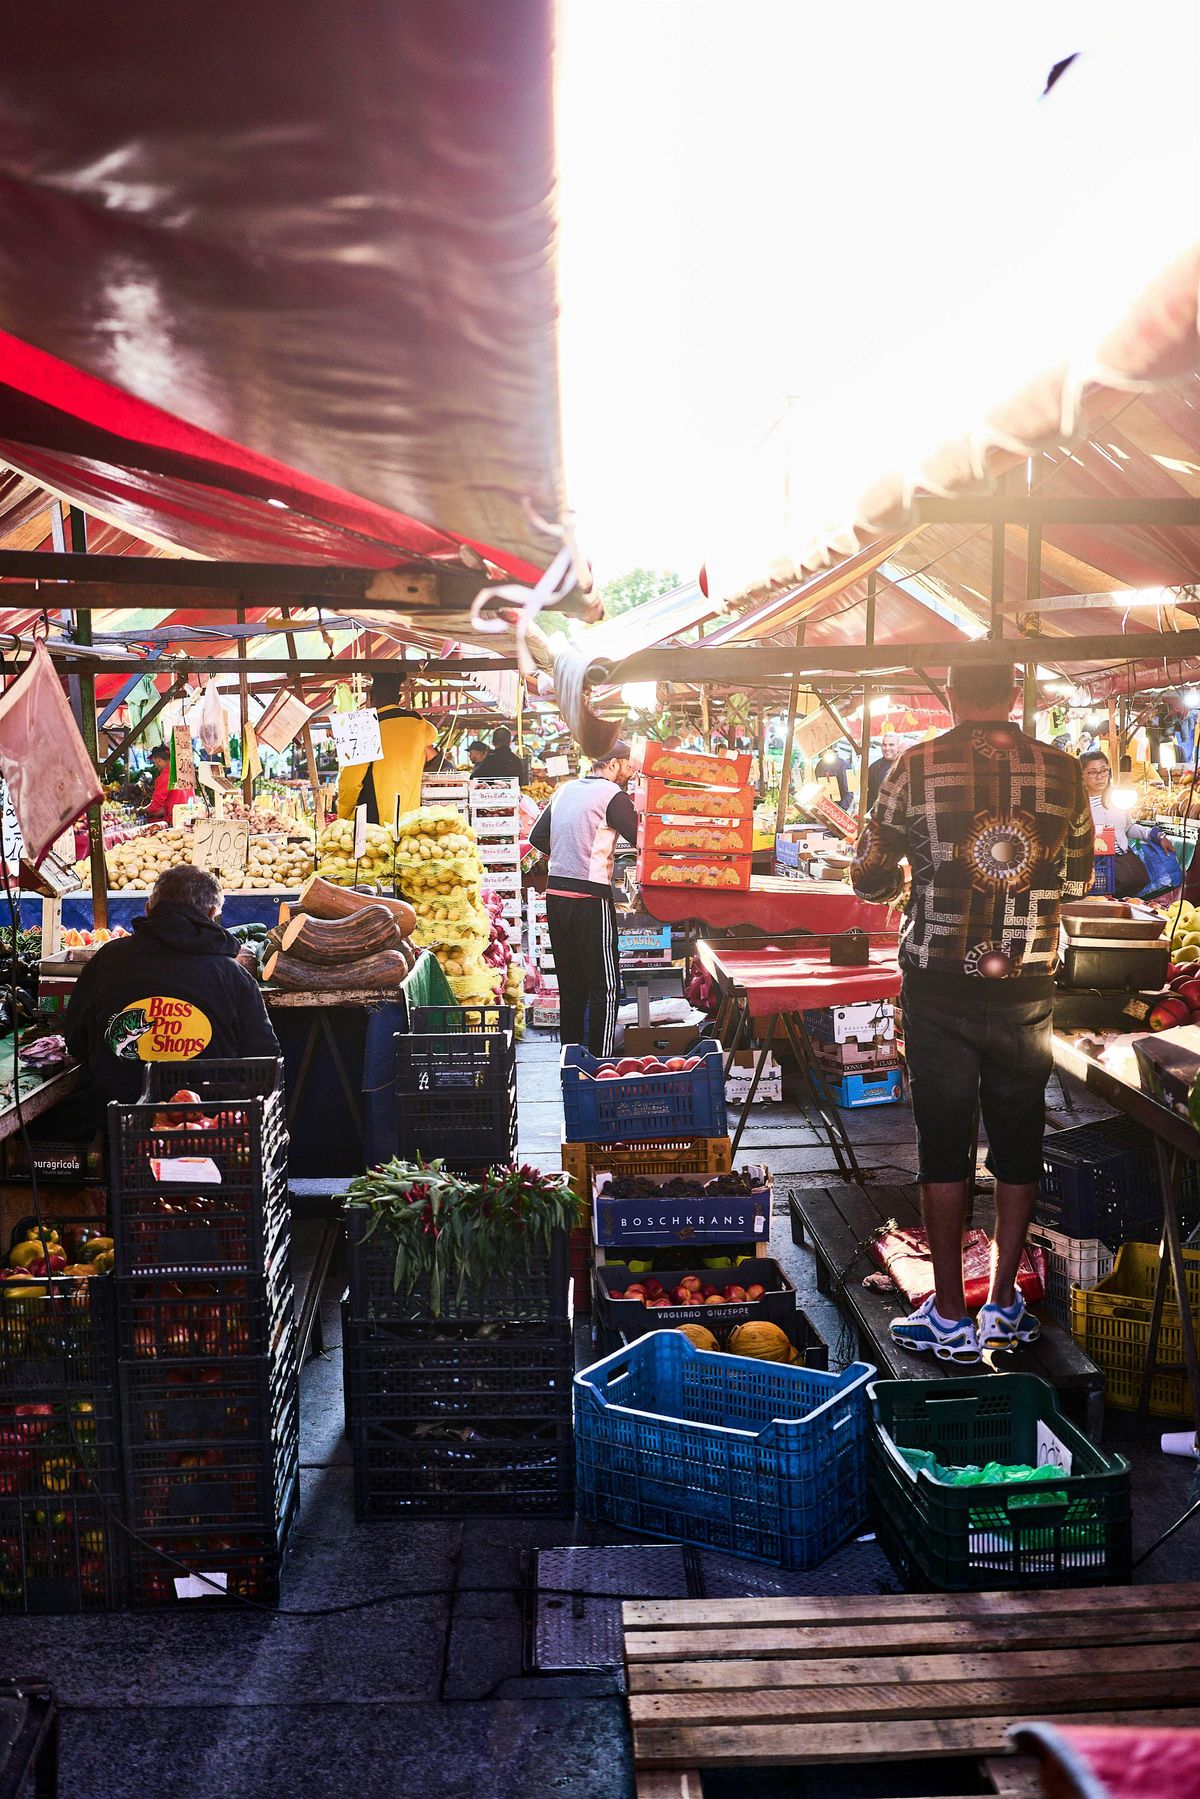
[(395, 1665)]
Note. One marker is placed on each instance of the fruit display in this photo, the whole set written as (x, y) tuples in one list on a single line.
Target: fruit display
[(692, 1290), (732, 874), (92, 939), (540, 792), (704, 836), (82, 1252), (1184, 921), (661, 798), (618, 1068), (696, 767)]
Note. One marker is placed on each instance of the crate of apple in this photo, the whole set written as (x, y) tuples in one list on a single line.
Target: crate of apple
[(720, 1299), (609, 1099), (625, 1066), (1179, 1003)]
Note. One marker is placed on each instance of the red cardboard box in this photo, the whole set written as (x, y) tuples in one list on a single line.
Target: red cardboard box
[(670, 801), (718, 874), (704, 836), (694, 766)]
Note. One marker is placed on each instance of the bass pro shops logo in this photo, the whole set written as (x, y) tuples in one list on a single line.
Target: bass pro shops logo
[(158, 1030)]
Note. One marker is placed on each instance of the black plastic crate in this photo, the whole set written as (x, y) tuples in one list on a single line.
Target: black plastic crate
[(195, 1404), (58, 1445), (241, 1563), (190, 1320), (226, 1230), (61, 1553), (455, 1470), (438, 1020), (231, 1484), (526, 1293), (65, 1341), (426, 1373), (456, 1097), (1100, 1180), (242, 1127)]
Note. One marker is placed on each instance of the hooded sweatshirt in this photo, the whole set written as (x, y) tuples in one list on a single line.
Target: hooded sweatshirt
[(171, 992)]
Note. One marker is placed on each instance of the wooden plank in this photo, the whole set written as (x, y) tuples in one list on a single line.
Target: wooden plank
[(889, 1739), (1034, 1694), (971, 1635), (1015, 1776), (871, 1670), (689, 1613), (668, 1783)]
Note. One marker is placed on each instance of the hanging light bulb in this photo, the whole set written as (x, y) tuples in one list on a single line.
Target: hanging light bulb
[(1191, 698), (1124, 798), (1166, 755)]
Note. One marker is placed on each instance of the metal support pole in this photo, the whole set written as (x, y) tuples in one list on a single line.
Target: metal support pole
[(87, 696), (789, 744), (865, 734), (314, 778), (997, 630), (244, 712), (1033, 583)]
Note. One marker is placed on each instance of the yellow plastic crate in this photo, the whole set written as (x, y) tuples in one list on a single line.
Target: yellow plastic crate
[(1111, 1323), (662, 1159)]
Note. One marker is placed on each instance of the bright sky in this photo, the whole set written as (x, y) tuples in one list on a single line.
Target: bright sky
[(852, 220)]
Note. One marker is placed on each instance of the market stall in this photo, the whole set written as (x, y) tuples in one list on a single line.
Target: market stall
[(773, 904)]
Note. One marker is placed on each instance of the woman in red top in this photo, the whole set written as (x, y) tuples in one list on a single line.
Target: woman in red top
[(160, 755)]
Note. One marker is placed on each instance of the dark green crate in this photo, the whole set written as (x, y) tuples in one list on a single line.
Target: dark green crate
[(967, 1539)]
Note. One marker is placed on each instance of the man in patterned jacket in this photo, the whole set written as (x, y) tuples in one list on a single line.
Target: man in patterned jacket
[(997, 830)]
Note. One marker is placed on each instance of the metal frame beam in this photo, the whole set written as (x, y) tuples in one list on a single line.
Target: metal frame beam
[(1041, 509)]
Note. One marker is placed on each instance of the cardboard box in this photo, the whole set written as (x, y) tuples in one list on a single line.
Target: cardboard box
[(662, 1222), (1169, 1063), (711, 836), (866, 1021), (660, 1039), (693, 766), (741, 1074), (693, 802), (836, 1057), (699, 874)]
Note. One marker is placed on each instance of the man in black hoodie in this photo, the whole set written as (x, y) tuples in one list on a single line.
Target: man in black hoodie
[(171, 992)]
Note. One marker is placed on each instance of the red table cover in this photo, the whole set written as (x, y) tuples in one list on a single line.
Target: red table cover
[(1114, 1762), (773, 903), (782, 978)]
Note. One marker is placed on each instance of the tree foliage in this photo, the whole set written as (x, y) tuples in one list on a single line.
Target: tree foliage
[(635, 588)]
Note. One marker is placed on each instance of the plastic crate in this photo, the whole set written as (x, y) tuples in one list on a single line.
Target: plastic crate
[(755, 1458), (225, 1230), (581, 1271), (455, 1020), (529, 1292), (456, 1097), (624, 1320), (62, 1554), (244, 1132), (1070, 1262), (498, 1471), (236, 1482), (652, 1156), (645, 1105), (1111, 1323), (210, 1320), (1101, 1180), (430, 1373), (867, 1087), (967, 1539), (239, 1563), (63, 1342), (661, 1221), (198, 1403)]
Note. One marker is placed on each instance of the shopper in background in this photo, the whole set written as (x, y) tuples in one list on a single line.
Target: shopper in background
[(394, 782), (889, 748), (171, 991), (578, 831), (996, 829), (500, 763), (475, 753), (1106, 816)]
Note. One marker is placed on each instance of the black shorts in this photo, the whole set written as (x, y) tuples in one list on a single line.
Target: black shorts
[(994, 1053)]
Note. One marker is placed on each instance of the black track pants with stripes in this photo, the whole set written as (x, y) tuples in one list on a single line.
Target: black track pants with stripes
[(583, 937)]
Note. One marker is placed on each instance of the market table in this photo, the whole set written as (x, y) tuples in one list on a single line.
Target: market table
[(778, 982), (1174, 1139), (339, 1056), (773, 904), (252, 905)]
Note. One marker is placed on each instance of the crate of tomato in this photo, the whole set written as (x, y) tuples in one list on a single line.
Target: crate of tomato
[(610, 1100)]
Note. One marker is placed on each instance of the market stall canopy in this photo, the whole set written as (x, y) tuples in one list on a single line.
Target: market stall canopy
[(281, 285)]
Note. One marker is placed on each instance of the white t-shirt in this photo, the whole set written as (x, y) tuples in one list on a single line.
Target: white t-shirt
[(1123, 825)]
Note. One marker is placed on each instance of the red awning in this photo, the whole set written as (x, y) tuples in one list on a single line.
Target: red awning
[(302, 257)]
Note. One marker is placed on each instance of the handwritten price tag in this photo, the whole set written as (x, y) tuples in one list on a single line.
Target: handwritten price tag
[(185, 762), (221, 845), (356, 736)]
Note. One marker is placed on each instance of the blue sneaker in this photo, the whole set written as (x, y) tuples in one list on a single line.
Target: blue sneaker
[(1003, 1327), (924, 1330)]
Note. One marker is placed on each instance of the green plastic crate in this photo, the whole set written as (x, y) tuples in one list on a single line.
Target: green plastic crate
[(967, 1539)]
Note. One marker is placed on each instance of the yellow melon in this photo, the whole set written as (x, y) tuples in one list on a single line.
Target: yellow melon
[(761, 1339), (697, 1336)]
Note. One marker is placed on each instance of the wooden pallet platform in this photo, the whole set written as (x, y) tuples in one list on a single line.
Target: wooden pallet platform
[(836, 1223), (824, 1682)]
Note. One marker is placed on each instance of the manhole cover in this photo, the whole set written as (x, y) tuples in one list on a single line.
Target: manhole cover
[(578, 1594)]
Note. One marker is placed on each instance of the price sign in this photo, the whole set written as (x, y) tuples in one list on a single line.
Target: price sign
[(816, 734), (283, 719), (14, 842), (221, 845), (356, 736), (557, 767), (185, 762), (360, 833)]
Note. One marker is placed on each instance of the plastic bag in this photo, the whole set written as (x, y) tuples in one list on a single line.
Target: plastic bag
[(43, 759), (214, 727), (1163, 868), (904, 1255)]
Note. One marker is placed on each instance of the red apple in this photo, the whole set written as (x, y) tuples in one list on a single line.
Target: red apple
[(629, 1065), (607, 1074), (755, 1291), (711, 1292), (715, 1299), (657, 1304), (683, 1296), (654, 1288), (675, 1064), (1190, 991), (616, 1293), (736, 1292), (1167, 1011), (635, 1291), (691, 1281), (691, 1062)]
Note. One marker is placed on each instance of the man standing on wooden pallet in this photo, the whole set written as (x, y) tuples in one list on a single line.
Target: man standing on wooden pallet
[(996, 830), (579, 831)]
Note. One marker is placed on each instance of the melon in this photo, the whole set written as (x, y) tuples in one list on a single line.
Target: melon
[(697, 1336), (765, 1341)]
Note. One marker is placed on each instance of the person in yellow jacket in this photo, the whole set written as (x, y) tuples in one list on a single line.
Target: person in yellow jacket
[(405, 737)]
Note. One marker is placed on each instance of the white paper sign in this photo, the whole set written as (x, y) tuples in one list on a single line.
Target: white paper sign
[(221, 845), (1051, 1450), (557, 766), (360, 833), (187, 1170), (356, 736), (14, 843)]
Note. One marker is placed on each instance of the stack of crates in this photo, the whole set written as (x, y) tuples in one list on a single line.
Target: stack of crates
[(61, 1547), (546, 1012), (456, 1086), (466, 1411), (206, 1332), (1099, 1189), (859, 1052), (447, 787), (496, 821)]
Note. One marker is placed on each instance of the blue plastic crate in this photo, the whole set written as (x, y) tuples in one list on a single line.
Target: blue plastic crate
[(643, 1105), (868, 1087), (1100, 1180), (759, 1459)]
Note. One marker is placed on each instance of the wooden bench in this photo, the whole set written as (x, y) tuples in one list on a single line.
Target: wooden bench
[(837, 1222), (919, 1677)]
